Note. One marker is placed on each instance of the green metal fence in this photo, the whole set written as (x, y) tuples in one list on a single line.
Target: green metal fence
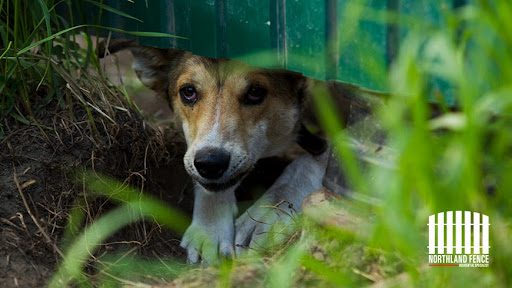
[(315, 37)]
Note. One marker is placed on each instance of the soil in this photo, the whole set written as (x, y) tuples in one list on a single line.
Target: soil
[(37, 187)]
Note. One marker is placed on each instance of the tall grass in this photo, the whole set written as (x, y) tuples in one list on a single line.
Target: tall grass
[(456, 161), (40, 48)]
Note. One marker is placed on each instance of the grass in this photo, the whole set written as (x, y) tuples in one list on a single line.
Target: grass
[(41, 50), (456, 161)]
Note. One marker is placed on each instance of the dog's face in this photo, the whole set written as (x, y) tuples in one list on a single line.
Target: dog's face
[(232, 114)]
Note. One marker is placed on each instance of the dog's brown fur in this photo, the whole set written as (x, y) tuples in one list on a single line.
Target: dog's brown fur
[(221, 83)]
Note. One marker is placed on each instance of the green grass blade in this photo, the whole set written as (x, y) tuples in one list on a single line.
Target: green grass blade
[(6, 49), (282, 273), (46, 16), (121, 193), (113, 10), (78, 253), (85, 244), (134, 33)]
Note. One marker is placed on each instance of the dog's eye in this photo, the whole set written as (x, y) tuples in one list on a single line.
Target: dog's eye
[(188, 94), (255, 95)]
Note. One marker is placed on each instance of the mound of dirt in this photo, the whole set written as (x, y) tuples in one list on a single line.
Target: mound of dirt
[(37, 187)]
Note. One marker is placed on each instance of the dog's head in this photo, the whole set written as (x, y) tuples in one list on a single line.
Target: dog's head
[(232, 114)]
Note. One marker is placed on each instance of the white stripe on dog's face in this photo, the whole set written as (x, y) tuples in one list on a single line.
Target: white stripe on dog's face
[(224, 118)]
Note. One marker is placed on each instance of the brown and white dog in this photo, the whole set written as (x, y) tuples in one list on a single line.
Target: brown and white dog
[(232, 116)]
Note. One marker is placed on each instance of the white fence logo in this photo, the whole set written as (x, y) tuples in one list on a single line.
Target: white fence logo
[(458, 238)]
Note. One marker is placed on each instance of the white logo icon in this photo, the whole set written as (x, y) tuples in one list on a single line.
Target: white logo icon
[(458, 238)]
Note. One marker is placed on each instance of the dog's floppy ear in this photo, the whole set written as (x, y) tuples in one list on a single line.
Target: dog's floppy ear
[(296, 83), (312, 143), (152, 65), (300, 86)]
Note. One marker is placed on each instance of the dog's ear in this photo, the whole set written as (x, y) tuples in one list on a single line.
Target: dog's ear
[(295, 83), (299, 85), (152, 65), (312, 143)]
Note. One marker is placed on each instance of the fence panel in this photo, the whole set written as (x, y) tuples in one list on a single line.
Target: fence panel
[(296, 34)]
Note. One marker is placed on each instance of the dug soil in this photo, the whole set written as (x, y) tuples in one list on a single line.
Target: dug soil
[(39, 162)]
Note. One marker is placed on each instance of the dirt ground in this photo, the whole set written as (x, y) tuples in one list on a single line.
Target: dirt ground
[(38, 189)]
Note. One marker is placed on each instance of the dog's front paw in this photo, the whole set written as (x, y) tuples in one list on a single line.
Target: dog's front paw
[(207, 244), (264, 225)]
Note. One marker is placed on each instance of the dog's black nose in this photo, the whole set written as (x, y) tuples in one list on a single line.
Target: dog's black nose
[(211, 163)]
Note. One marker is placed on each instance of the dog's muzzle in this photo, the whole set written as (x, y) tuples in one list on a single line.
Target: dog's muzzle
[(211, 164)]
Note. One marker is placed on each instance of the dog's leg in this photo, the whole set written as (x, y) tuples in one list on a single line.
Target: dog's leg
[(284, 198), (212, 230)]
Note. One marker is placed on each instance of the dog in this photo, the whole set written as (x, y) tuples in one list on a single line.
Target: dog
[(232, 115)]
